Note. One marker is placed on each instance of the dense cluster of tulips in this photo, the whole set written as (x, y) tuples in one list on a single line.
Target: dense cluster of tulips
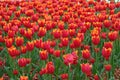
[(59, 40)]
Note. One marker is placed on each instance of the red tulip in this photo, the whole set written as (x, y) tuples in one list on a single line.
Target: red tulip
[(38, 43), (52, 43), (19, 41), (56, 33), (108, 67), (50, 68), (41, 23), (22, 31), (22, 62), (11, 33), (96, 77), (13, 51), (45, 45), (108, 45), (17, 13), (77, 42), (107, 23), (113, 35), (86, 68), (23, 49), (29, 12), (103, 35), (106, 52), (6, 28), (56, 53), (72, 32), (95, 40), (61, 25), (64, 33), (29, 33), (42, 32), (70, 58), (30, 45), (43, 55), (64, 41), (8, 42), (64, 76), (15, 72), (86, 54), (35, 17)]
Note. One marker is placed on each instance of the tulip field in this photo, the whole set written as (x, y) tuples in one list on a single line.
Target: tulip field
[(59, 40)]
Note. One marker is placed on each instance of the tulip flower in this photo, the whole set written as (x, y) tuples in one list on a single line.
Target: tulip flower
[(106, 52), (86, 54), (64, 76), (23, 77), (19, 41), (43, 55), (22, 62), (30, 45), (86, 68), (107, 67), (50, 68)]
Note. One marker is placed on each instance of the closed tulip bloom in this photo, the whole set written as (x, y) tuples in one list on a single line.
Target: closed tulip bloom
[(72, 32), (22, 62), (56, 33), (64, 33), (15, 72), (107, 23), (107, 67), (56, 53), (13, 52), (96, 77), (86, 54), (61, 25), (29, 33), (11, 33), (53, 43), (23, 49), (50, 67), (41, 23), (30, 46), (43, 55), (9, 42), (86, 68), (106, 52), (95, 40), (38, 43), (113, 35), (64, 41), (64, 76), (42, 32), (19, 41), (80, 36), (45, 45), (76, 42)]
